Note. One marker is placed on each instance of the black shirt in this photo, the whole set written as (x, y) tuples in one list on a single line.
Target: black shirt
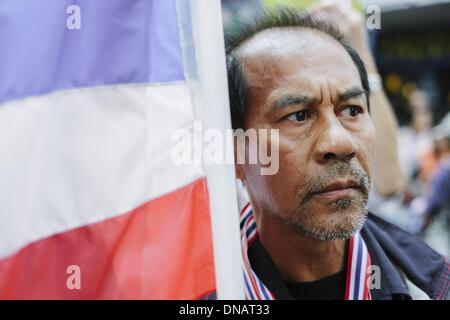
[(328, 288)]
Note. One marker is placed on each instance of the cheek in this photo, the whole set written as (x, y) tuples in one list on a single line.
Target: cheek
[(280, 192), (293, 168), (266, 190), (367, 142)]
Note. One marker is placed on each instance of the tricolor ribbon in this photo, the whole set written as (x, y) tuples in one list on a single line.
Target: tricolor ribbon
[(357, 281)]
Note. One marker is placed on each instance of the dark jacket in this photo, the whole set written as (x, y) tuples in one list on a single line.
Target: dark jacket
[(398, 253)]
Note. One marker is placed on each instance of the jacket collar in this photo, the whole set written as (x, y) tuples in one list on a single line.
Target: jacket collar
[(395, 251)]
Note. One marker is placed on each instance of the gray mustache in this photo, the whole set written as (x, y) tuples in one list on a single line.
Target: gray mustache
[(337, 170)]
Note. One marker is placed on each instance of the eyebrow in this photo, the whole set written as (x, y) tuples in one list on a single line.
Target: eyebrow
[(351, 93), (294, 99), (301, 99)]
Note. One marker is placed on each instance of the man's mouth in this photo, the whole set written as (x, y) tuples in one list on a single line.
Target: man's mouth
[(338, 190)]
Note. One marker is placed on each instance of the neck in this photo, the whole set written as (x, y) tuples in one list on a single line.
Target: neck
[(299, 258)]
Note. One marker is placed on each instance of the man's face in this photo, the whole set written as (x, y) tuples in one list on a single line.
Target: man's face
[(304, 83)]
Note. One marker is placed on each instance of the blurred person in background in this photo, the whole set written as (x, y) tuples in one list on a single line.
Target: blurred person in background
[(418, 161), (416, 140), (437, 199), (440, 180)]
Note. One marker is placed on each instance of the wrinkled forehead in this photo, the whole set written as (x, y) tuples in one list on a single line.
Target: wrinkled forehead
[(283, 52), (281, 40)]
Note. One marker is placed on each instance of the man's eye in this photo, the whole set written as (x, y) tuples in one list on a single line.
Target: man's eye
[(298, 116), (352, 111)]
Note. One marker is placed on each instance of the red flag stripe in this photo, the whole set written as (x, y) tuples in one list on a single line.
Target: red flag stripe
[(160, 250)]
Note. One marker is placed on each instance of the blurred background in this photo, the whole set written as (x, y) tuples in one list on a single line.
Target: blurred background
[(411, 52)]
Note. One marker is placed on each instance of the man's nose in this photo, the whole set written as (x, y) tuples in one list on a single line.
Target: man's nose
[(334, 142)]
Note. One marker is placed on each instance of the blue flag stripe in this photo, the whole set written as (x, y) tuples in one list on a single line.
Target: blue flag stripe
[(118, 41)]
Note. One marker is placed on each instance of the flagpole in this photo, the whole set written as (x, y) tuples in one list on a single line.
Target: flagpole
[(213, 107)]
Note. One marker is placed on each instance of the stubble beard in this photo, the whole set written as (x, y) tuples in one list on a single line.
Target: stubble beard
[(346, 216)]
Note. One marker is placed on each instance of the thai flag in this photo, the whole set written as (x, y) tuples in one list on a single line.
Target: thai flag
[(91, 205)]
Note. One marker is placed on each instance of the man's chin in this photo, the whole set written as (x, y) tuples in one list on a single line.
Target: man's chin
[(343, 206), (337, 221), (353, 201)]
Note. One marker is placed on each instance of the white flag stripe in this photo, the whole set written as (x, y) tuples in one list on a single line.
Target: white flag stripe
[(80, 156)]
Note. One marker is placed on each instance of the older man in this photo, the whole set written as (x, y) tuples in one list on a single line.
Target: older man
[(307, 233)]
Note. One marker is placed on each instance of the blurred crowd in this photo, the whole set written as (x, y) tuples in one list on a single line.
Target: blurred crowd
[(412, 183)]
